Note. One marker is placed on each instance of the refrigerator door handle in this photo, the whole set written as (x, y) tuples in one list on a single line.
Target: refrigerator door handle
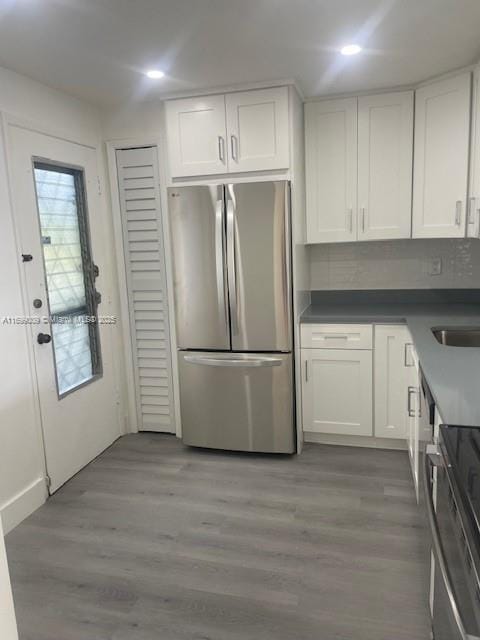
[(219, 260), (234, 362), (232, 267)]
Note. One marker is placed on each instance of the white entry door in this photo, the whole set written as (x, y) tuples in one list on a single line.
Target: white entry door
[(59, 220)]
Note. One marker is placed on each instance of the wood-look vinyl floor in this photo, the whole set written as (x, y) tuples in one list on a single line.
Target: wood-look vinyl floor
[(156, 541)]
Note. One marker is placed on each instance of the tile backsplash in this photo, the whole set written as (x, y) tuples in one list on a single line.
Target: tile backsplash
[(396, 264)]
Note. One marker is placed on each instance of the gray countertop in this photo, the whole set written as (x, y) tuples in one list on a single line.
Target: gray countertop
[(452, 373)]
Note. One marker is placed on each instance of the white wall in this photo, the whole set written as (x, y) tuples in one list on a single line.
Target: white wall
[(22, 472), (134, 121), (8, 625), (400, 264)]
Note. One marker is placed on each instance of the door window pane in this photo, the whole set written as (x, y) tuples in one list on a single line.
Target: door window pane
[(69, 274)]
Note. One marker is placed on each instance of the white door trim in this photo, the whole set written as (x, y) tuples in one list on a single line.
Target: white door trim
[(111, 147), (23, 123), (6, 121)]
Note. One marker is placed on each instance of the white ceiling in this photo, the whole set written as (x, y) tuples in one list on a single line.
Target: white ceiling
[(97, 49)]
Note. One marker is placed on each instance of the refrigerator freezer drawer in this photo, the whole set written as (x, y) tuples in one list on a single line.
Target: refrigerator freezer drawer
[(239, 402)]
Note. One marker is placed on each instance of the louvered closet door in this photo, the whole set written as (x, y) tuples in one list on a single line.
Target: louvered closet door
[(146, 283)]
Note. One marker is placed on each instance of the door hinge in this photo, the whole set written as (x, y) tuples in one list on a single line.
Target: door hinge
[(99, 186), (48, 482)]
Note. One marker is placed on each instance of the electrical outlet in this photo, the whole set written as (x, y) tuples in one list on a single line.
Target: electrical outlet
[(434, 266)]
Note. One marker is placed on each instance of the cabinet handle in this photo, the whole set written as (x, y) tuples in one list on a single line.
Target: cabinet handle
[(306, 370), (409, 402), (458, 212), (234, 147), (407, 361), (411, 412), (471, 211), (221, 148), (478, 217), (363, 219)]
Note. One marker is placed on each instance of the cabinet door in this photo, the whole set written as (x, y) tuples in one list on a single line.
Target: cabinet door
[(337, 391), (385, 152), (331, 170), (442, 127), (413, 405), (473, 226), (392, 359), (196, 136), (258, 131)]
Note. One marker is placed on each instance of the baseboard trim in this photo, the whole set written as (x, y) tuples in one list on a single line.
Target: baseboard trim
[(355, 441), (23, 504)]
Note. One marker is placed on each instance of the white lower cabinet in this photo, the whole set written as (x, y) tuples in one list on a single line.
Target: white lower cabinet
[(413, 404), (393, 362), (337, 391), (397, 391), (371, 390)]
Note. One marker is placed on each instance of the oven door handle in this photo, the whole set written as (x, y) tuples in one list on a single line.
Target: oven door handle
[(438, 550)]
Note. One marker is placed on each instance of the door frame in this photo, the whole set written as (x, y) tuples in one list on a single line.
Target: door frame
[(111, 148), (7, 122)]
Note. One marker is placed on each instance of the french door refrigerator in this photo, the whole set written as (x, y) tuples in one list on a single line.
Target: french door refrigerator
[(231, 247)]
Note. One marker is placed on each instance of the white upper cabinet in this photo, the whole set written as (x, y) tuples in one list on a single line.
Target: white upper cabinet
[(359, 168), (442, 129), (197, 136), (331, 170), (473, 224), (257, 125), (233, 133), (385, 152)]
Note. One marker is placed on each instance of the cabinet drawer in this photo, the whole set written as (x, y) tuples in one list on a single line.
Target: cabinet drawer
[(337, 336)]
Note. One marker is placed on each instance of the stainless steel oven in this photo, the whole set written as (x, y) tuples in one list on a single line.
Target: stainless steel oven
[(453, 517)]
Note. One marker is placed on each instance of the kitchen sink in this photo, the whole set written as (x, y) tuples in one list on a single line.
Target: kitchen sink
[(458, 336)]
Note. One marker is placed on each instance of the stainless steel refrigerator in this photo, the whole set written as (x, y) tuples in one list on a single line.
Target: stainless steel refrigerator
[(231, 247)]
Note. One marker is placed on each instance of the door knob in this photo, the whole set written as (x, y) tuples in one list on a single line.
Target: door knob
[(37, 303), (44, 338)]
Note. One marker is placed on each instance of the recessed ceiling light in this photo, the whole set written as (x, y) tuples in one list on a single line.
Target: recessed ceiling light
[(350, 50), (154, 74)]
